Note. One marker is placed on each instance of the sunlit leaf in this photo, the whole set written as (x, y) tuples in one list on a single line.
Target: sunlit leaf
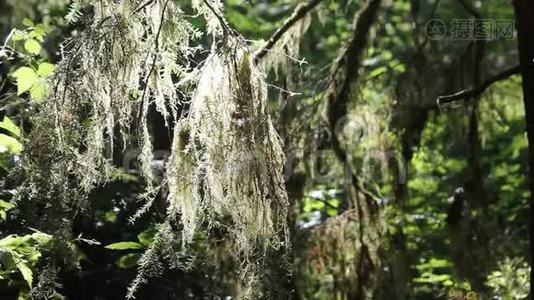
[(146, 237), (129, 260), (27, 22), (377, 71), (26, 272), (45, 69), (10, 144), (25, 77), (124, 246), (6, 205), (8, 125), (32, 46), (39, 90), (39, 32)]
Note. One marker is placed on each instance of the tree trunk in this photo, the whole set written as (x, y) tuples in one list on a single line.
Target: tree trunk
[(344, 76), (525, 36)]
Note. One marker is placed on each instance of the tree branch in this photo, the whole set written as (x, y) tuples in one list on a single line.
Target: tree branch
[(470, 9), (476, 91), (345, 71), (344, 75), (300, 11)]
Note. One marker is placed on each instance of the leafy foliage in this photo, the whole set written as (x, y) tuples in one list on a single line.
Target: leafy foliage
[(21, 253)]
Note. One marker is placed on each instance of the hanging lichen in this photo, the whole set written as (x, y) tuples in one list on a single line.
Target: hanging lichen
[(122, 63), (284, 55), (225, 170), (227, 159), (341, 253)]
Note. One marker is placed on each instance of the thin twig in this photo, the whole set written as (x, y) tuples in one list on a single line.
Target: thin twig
[(137, 10), (288, 92), (154, 60), (224, 25), (300, 11), (476, 91)]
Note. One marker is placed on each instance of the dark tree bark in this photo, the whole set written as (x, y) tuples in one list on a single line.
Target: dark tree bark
[(344, 76), (524, 10), (469, 231)]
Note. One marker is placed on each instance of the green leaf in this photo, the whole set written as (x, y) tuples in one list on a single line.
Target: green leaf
[(26, 272), (41, 237), (39, 32), (32, 46), (401, 68), (129, 260), (333, 202), (25, 77), (6, 205), (39, 90), (387, 55), (45, 69), (10, 144), (146, 237), (311, 204), (124, 246), (331, 211), (8, 125), (434, 263), (27, 22), (110, 216), (377, 71), (11, 241), (19, 35)]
